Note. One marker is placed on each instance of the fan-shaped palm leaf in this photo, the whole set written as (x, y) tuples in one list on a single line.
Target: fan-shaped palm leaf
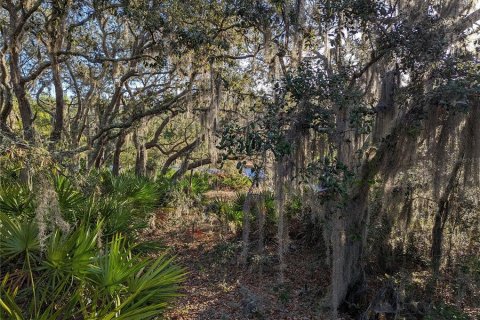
[(17, 238), (16, 200)]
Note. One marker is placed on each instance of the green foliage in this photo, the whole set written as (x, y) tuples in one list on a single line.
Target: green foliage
[(77, 277), (271, 218), (16, 199), (18, 239), (124, 204), (70, 200), (278, 72), (444, 312), (310, 95), (227, 211), (294, 206), (164, 185), (73, 274), (118, 216), (253, 139), (69, 256), (362, 118), (138, 193), (225, 252), (456, 82), (235, 182), (231, 211), (195, 184), (333, 177)]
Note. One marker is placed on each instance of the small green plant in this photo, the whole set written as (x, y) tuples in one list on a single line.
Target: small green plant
[(446, 312), (284, 293), (269, 207), (19, 244), (294, 206), (227, 211), (236, 182), (16, 199), (137, 192), (70, 200), (194, 184), (226, 251)]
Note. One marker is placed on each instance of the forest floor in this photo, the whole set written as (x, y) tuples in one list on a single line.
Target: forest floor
[(218, 288)]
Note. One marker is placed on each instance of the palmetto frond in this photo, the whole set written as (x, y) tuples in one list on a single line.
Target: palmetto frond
[(17, 239), (16, 200)]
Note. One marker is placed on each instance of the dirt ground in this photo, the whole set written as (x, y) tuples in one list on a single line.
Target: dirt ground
[(218, 288)]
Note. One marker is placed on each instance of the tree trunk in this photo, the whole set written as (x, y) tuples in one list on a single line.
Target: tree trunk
[(56, 28), (185, 151), (282, 230), (7, 108), (437, 237), (348, 243), (141, 155), (7, 98), (247, 208), (56, 134), (99, 157), (20, 92), (141, 161), (261, 212), (442, 215), (117, 153), (386, 111), (350, 224)]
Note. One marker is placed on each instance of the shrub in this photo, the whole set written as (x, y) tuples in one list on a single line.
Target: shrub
[(16, 199), (91, 270), (236, 182), (136, 192), (70, 200), (124, 203), (227, 211), (194, 184), (444, 312), (76, 278)]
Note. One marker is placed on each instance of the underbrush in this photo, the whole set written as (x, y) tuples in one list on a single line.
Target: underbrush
[(446, 312), (72, 250)]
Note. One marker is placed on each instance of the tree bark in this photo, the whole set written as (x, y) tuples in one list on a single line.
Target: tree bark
[(247, 208), (56, 28), (17, 24), (441, 216), (24, 107), (56, 134), (349, 234), (261, 212), (183, 151), (141, 156), (7, 97), (117, 153)]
